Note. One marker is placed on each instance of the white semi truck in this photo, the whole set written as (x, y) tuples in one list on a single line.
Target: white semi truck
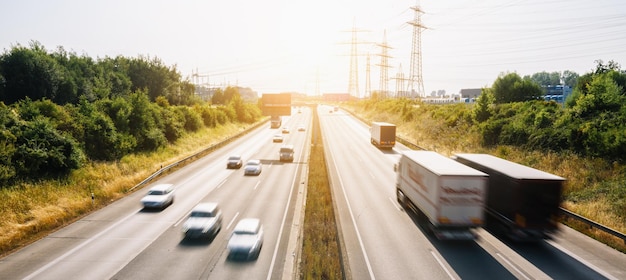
[(447, 197)]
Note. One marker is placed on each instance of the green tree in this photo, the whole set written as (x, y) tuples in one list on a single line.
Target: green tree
[(483, 109), (546, 79), (512, 88), (29, 72)]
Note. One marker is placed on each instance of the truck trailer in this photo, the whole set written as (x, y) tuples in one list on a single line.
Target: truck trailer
[(447, 197), (275, 122), (383, 135), (522, 202)]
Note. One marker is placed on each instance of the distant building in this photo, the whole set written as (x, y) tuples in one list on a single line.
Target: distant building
[(558, 93), (469, 95)]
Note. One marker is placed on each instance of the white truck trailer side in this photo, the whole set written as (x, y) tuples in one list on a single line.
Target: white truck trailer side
[(449, 196)]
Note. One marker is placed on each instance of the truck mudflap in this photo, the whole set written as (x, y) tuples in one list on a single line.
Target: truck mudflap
[(453, 234)]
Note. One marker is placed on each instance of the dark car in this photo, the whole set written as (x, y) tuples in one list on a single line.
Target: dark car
[(234, 162)]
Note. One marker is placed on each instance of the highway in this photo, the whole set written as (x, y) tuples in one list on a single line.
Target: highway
[(123, 241), (384, 242), (380, 240)]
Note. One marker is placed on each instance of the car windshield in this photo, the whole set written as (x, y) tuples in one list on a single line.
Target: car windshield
[(253, 163), (154, 192), (201, 214), (234, 158)]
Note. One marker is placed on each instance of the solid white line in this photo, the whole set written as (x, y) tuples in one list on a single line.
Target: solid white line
[(394, 203), (233, 220), (257, 184), (282, 225), (356, 228), (586, 263), (441, 264), (89, 240), (512, 265)]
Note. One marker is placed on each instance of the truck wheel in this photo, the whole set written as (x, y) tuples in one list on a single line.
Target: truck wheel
[(401, 198)]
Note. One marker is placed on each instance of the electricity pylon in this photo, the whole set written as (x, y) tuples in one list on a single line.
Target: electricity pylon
[(416, 82), (384, 67)]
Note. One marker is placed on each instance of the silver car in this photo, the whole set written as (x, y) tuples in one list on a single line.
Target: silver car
[(247, 240), (253, 167), (205, 221), (234, 162), (159, 196)]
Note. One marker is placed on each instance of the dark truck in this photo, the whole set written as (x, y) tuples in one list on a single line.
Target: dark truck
[(383, 135), (522, 202)]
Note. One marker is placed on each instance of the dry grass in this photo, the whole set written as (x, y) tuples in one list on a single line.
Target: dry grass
[(586, 192), (31, 210), (321, 257)]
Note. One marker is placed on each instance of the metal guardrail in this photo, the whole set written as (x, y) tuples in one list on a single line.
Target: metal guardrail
[(182, 161), (564, 212), (593, 224)]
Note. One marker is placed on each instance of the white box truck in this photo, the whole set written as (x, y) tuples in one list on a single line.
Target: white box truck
[(447, 196), (383, 135)]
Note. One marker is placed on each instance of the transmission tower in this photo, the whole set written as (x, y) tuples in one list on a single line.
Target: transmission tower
[(353, 87), (400, 83), (416, 83), (368, 84), (384, 67)]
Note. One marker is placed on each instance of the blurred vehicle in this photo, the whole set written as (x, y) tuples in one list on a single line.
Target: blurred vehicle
[(234, 162), (285, 130), (246, 240), (277, 138), (301, 128), (253, 167), (383, 135), (159, 196), (299, 111), (286, 153), (204, 221)]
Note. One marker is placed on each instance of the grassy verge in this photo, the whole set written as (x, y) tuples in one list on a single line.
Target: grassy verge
[(32, 210), (594, 186), (320, 249)]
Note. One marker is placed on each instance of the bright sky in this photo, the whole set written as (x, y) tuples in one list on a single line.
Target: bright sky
[(276, 46)]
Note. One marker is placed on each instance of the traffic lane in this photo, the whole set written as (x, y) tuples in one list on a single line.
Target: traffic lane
[(376, 245), (104, 253), (63, 243), (591, 251), (594, 265), (170, 253)]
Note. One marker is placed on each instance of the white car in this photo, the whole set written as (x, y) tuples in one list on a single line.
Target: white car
[(252, 167), (159, 196), (247, 240), (205, 221), (277, 138)]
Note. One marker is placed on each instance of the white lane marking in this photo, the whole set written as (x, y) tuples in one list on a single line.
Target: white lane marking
[(441, 264), (183, 218), (393, 202), (586, 263), (356, 228), (221, 184), (68, 253), (233, 220), (257, 185), (512, 265), (282, 226)]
